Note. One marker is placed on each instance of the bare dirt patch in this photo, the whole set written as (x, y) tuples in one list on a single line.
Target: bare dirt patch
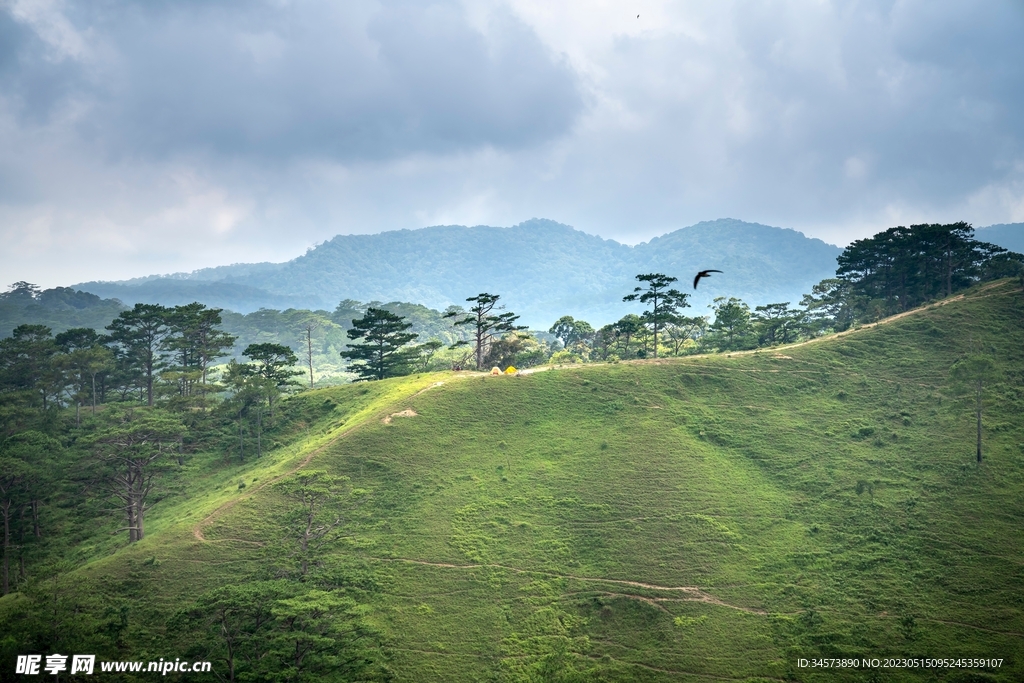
[(432, 386), (408, 412)]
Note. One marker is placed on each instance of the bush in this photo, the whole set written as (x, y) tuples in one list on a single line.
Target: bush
[(864, 432), (564, 357)]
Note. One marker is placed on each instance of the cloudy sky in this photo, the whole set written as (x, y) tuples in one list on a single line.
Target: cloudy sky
[(151, 136)]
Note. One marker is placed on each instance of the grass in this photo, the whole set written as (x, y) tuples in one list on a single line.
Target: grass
[(698, 519)]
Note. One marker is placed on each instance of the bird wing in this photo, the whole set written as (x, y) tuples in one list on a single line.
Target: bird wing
[(703, 273)]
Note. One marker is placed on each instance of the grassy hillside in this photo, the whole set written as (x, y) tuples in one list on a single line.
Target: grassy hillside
[(697, 519)]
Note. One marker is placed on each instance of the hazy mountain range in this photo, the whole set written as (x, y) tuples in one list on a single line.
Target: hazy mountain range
[(1007, 235), (542, 269)]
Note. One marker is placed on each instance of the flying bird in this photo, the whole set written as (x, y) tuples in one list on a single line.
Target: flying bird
[(703, 273)]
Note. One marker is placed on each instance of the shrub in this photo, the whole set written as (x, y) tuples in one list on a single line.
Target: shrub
[(864, 432), (563, 357)]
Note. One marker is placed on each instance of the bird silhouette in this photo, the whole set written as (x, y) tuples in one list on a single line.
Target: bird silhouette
[(703, 273)]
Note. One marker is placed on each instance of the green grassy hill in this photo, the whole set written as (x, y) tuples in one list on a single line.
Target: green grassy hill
[(699, 519)]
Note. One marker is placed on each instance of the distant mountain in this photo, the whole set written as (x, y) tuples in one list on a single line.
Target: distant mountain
[(174, 291), (1006, 235), (542, 269), (59, 309)]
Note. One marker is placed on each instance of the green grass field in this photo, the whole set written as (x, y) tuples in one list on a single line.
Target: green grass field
[(699, 519)]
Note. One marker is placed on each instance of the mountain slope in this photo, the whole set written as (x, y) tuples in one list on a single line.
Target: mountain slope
[(1007, 235), (59, 309), (767, 264), (542, 269), (697, 519)]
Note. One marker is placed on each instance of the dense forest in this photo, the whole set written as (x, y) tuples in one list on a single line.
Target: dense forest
[(63, 308)]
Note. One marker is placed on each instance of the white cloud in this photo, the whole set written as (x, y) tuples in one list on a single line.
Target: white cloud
[(999, 202), (258, 129), (47, 19)]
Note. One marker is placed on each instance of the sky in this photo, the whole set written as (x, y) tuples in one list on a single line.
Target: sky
[(154, 136)]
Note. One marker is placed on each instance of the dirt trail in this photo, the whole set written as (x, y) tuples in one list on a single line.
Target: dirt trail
[(695, 674), (695, 594), (432, 386), (977, 628), (197, 530), (775, 349)]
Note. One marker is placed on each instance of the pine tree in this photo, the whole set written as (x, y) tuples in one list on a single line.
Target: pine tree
[(195, 342), (972, 377), (486, 324), (385, 351), (131, 453), (139, 334), (27, 365), (271, 369), (901, 268), (664, 301)]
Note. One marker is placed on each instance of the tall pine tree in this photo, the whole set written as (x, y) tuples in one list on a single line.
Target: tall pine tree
[(486, 324), (664, 301), (384, 351), (138, 335), (194, 342)]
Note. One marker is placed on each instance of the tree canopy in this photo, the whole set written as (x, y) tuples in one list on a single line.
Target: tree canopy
[(138, 335), (664, 301), (901, 268), (485, 323), (384, 351), (572, 333)]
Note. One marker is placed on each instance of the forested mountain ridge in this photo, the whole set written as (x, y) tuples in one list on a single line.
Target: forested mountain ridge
[(1006, 235), (59, 308), (542, 268)]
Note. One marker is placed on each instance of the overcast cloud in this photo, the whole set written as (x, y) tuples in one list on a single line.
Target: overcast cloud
[(142, 137)]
